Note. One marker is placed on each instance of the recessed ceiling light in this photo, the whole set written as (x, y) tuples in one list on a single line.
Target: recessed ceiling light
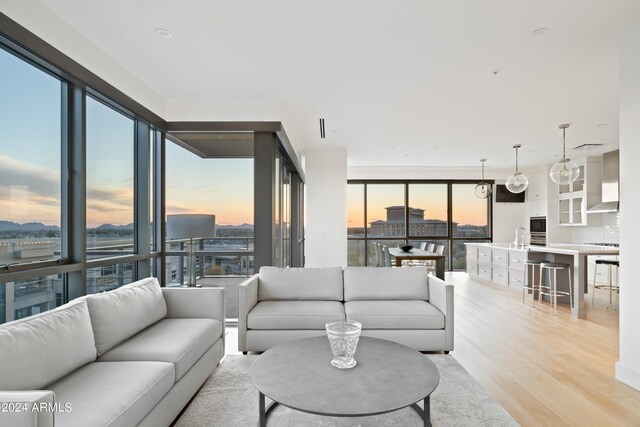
[(540, 31), (164, 34)]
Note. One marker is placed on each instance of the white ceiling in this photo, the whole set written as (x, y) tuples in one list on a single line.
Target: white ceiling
[(399, 83)]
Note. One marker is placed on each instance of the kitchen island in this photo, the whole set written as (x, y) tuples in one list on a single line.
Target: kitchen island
[(504, 263)]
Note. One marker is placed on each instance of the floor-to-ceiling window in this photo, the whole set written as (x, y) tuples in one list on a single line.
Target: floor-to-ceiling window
[(30, 185), (68, 161), (397, 212), (110, 156), (210, 183), (472, 221)]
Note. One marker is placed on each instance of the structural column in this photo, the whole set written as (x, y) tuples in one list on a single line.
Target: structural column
[(264, 173)]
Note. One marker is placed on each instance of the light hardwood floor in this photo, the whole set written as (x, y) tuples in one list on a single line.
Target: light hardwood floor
[(544, 371)]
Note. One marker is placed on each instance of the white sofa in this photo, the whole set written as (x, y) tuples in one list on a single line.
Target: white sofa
[(405, 305), (132, 356)]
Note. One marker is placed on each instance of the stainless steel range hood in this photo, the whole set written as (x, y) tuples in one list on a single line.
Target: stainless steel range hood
[(610, 184)]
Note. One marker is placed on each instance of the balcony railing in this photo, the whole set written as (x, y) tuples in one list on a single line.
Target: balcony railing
[(33, 287), (217, 257)]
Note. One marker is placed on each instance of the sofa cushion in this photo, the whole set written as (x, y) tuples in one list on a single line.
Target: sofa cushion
[(294, 314), (121, 313), (300, 284), (367, 283), (395, 314), (40, 349), (178, 341), (112, 393)]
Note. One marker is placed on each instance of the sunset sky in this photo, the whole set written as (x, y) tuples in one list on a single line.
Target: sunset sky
[(467, 209), (222, 187), (30, 176)]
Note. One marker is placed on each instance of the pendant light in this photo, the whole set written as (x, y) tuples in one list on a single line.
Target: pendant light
[(517, 182), (565, 171), (483, 189)]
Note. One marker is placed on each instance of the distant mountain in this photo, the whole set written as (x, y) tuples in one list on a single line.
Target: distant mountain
[(104, 227), (244, 226), (28, 226)]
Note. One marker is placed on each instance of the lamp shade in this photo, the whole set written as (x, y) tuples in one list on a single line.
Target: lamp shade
[(482, 190), (564, 172), (191, 226), (517, 183)]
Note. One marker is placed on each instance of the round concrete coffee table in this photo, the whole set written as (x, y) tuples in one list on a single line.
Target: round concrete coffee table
[(388, 377)]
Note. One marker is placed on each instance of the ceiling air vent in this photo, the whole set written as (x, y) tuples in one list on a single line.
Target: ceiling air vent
[(322, 132), (587, 147)]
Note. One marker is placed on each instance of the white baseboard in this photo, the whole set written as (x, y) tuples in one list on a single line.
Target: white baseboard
[(628, 375)]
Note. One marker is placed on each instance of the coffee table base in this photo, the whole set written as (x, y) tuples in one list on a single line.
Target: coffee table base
[(264, 413)]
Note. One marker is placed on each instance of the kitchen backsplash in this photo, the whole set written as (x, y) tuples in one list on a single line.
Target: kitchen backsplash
[(608, 232)]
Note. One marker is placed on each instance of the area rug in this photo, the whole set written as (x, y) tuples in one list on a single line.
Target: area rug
[(228, 398)]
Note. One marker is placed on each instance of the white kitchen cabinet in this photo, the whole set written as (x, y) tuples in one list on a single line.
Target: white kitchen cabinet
[(501, 265), (472, 260), (500, 275), (538, 185), (499, 258), (538, 207), (516, 279), (574, 199)]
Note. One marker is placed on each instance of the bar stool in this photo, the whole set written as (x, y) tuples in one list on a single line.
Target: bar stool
[(553, 291), (533, 263), (610, 286)]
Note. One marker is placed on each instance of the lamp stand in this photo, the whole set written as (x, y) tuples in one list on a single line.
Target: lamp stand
[(192, 267)]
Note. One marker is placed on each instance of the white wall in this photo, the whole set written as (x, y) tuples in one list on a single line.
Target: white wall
[(507, 217), (42, 22), (628, 368), (326, 212)]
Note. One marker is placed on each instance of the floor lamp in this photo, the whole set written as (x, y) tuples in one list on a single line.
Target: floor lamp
[(191, 226)]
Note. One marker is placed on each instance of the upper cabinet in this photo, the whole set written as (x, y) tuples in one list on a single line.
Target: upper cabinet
[(538, 193), (538, 185), (574, 199)]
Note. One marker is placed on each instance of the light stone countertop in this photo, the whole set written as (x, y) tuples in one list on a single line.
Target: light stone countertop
[(557, 248)]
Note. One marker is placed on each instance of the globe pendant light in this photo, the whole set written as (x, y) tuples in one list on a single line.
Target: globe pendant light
[(517, 182), (483, 189), (565, 171)]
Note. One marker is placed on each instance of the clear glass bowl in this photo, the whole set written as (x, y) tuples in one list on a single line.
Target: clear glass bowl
[(343, 337)]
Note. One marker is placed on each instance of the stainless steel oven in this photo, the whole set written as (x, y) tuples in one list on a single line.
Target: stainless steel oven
[(538, 230)]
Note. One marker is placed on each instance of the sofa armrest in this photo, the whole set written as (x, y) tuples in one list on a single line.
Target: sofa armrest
[(441, 296), (196, 303), (28, 408), (247, 299)]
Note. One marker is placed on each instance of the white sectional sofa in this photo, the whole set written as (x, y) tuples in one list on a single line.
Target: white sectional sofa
[(405, 305), (132, 356)]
